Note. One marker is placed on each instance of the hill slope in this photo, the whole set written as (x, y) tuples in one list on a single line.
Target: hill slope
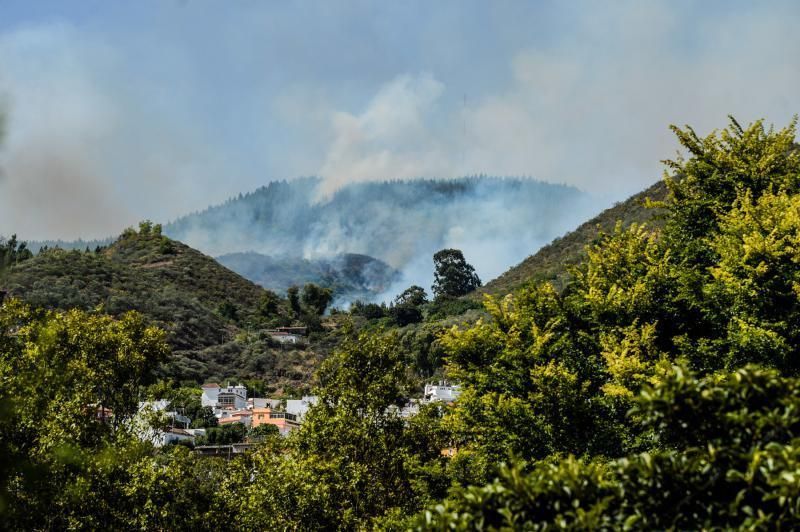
[(551, 262), (205, 308), (350, 276)]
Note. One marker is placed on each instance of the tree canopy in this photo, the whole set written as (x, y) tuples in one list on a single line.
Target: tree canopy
[(453, 276)]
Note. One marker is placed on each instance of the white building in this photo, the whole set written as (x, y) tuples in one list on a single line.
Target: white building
[(173, 435), (284, 337), (224, 399), (299, 407), (260, 402), (210, 394), (442, 392), (232, 398)]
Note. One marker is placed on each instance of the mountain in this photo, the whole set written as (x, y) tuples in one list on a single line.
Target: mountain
[(402, 223), (350, 276), (551, 262), (207, 310)]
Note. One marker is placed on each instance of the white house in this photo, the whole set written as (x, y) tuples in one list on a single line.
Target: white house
[(232, 398), (299, 407), (284, 337), (442, 392), (260, 402), (210, 394), (173, 435)]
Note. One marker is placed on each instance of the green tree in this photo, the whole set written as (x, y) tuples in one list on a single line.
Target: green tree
[(453, 276), (70, 383), (354, 457), (13, 252), (293, 294), (735, 469), (269, 304), (406, 308), (316, 299), (756, 280), (261, 432)]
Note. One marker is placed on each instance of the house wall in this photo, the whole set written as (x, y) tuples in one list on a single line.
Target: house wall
[(263, 416), (209, 397)]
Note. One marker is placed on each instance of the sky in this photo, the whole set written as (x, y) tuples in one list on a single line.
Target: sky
[(121, 111)]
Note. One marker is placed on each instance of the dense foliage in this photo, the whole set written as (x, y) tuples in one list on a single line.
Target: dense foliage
[(60, 373), (453, 276), (659, 389), (13, 252)]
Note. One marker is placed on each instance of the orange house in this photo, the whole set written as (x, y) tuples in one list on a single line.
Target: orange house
[(285, 421)]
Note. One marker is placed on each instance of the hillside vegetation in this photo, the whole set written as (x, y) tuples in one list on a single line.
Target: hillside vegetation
[(552, 262), (206, 309), (349, 276)]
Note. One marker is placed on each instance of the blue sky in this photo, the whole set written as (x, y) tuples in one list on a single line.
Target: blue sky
[(120, 111)]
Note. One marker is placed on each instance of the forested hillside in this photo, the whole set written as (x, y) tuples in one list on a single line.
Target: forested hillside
[(402, 223), (349, 276), (205, 308)]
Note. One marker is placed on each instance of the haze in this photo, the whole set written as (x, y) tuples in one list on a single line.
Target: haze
[(123, 111)]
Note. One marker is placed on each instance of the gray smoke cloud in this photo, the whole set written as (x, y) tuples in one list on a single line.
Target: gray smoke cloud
[(597, 119), (155, 109), (85, 154), (495, 222)]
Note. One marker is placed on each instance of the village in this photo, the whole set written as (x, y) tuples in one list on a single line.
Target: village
[(254, 417)]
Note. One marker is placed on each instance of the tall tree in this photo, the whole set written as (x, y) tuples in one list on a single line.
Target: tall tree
[(453, 275), (316, 299), (406, 308), (293, 294)]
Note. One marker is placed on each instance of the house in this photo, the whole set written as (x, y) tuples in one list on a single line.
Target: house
[(244, 417), (285, 421), (210, 394), (260, 402), (224, 400), (299, 407), (174, 435), (284, 337), (232, 398), (196, 432), (442, 392)]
